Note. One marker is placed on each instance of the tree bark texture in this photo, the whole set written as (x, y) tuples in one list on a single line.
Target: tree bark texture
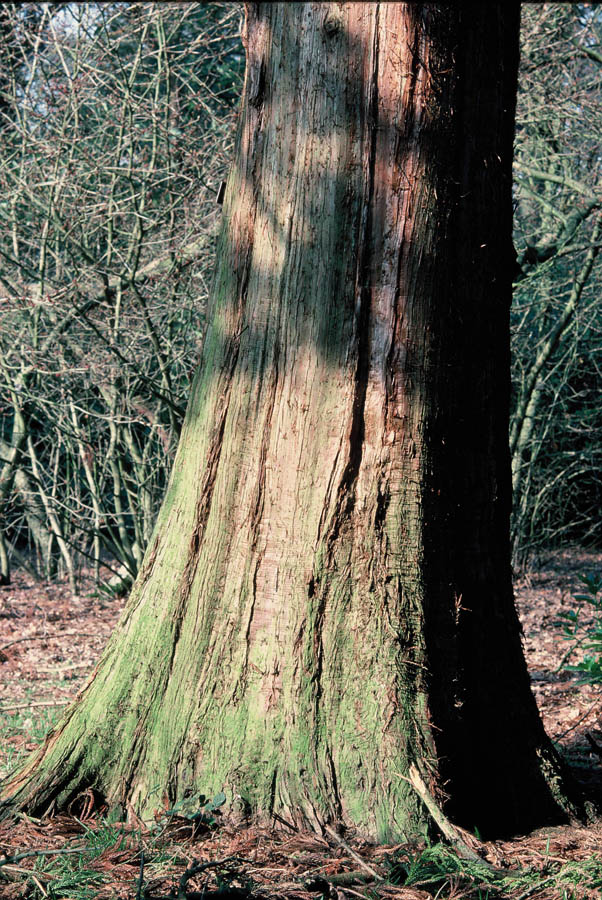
[(327, 598)]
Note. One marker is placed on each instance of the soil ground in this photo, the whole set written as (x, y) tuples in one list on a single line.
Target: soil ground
[(49, 644)]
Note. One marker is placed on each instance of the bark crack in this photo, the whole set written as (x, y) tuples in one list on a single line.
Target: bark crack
[(346, 489)]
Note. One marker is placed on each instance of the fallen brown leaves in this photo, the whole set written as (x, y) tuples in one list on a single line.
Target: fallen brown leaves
[(258, 861), (266, 863), (569, 710), (49, 640), (49, 644)]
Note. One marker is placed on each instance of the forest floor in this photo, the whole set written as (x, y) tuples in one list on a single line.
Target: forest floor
[(49, 644)]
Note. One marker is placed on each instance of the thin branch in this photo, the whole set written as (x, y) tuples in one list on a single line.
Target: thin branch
[(563, 180), (591, 52), (5, 709), (352, 853), (449, 831)]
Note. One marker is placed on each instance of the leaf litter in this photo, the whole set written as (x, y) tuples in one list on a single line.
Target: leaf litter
[(49, 644)]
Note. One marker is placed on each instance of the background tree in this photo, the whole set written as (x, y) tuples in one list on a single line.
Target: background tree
[(556, 433), (116, 124), (326, 600), (15, 55)]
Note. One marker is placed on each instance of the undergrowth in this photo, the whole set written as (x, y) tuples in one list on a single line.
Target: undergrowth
[(583, 632), (106, 855), (85, 869), (89, 862), (20, 729), (442, 874)]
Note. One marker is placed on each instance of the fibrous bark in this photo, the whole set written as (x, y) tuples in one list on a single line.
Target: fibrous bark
[(327, 598)]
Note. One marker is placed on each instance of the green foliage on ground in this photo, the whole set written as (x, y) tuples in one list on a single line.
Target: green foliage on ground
[(33, 724), (83, 866), (442, 874), (582, 628)]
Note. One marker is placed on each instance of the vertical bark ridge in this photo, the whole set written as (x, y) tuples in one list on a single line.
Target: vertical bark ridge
[(342, 511)]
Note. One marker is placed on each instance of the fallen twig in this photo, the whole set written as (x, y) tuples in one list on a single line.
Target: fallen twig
[(536, 887), (191, 871), (352, 853), (590, 709), (38, 884), (451, 832), (45, 636), (284, 822), (343, 879), (17, 857), (4, 709), (64, 668)]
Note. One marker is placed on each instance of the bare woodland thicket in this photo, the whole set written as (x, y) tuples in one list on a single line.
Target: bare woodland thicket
[(117, 123), (556, 432), (116, 128)]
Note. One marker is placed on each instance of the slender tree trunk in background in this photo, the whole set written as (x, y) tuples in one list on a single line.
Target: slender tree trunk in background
[(4, 562), (35, 516), (327, 597), (9, 456)]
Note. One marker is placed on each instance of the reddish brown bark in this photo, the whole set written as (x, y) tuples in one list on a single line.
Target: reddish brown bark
[(328, 599)]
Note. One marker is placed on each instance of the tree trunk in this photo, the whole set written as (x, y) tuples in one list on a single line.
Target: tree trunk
[(327, 596), (35, 516), (4, 562)]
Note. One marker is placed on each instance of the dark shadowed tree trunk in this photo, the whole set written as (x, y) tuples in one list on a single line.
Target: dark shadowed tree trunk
[(327, 596)]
